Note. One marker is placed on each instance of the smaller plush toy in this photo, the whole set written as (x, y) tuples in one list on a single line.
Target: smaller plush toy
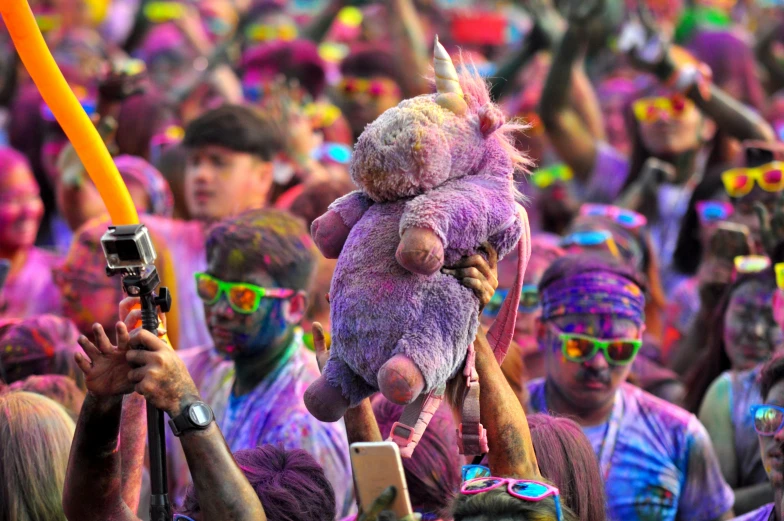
[(435, 179)]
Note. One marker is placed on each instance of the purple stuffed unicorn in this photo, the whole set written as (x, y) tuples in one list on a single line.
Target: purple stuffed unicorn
[(435, 178)]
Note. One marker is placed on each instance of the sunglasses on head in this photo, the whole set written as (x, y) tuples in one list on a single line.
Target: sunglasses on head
[(627, 218), (592, 239), (333, 153), (751, 263), (529, 301), (768, 419), (243, 298), (373, 88), (710, 212), (740, 181), (648, 110), (269, 33), (545, 177), (181, 517), (524, 489), (581, 348)]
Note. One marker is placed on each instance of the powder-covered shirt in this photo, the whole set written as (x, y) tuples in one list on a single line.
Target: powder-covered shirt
[(662, 467), (761, 514), (31, 291), (272, 413), (185, 243)]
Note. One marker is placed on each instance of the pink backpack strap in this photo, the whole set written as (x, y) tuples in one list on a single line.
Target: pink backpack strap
[(408, 430), (471, 434), (501, 332)]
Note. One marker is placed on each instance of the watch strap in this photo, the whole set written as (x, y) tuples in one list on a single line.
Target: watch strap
[(182, 423)]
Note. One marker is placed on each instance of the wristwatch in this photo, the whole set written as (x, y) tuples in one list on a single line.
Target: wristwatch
[(196, 416)]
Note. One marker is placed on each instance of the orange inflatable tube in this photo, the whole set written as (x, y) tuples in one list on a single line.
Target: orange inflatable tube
[(81, 132)]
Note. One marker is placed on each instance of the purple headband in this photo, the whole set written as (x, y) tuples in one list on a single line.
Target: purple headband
[(594, 292)]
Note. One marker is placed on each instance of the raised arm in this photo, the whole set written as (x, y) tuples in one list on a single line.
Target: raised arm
[(411, 50), (94, 479), (730, 115), (568, 133), (162, 378), (509, 438)]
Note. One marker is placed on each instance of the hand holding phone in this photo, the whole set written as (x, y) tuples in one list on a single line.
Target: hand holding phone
[(377, 466), (730, 240), (656, 172)]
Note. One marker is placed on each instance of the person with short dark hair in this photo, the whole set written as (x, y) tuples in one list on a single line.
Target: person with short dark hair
[(229, 153), (590, 331), (255, 369)]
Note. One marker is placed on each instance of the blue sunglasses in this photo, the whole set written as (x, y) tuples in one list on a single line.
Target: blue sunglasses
[(529, 301), (475, 471)]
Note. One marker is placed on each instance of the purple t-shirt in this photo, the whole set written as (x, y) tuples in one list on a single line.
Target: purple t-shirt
[(663, 466), (761, 514)]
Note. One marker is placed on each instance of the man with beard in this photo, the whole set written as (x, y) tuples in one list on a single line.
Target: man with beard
[(656, 459)]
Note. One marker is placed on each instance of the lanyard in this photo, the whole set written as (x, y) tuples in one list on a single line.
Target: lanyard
[(607, 448)]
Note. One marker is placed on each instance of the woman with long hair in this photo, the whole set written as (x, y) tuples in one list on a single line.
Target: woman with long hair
[(723, 382), (35, 440)]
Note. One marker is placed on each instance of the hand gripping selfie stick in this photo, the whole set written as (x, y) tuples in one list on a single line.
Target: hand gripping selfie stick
[(127, 244)]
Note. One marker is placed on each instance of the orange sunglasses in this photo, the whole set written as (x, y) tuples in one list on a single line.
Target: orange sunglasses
[(648, 110), (740, 181), (374, 88)]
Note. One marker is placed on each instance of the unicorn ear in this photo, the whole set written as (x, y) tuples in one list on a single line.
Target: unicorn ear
[(450, 94), (490, 119)]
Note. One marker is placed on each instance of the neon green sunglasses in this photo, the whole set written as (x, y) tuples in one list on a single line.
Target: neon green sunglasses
[(243, 298)]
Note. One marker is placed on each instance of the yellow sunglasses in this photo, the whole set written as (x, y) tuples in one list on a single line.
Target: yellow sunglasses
[(740, 181), (648, 110)]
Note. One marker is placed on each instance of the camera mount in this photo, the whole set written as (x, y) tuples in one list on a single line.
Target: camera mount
[(130, 253)]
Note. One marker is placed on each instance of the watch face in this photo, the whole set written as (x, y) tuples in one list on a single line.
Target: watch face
[(200, 414)]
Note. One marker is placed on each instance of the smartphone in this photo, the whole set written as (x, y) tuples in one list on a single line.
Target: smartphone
[(658, 171), (730, 240), (761, 153), (377, 466)]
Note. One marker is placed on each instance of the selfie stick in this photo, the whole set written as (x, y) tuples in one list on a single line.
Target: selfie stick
[(140, 278), (130, 253)]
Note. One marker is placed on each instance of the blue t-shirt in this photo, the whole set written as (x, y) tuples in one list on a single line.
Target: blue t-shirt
[(761, 514), (662, 467)]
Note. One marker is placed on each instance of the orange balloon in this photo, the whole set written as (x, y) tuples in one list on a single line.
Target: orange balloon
[(81, 132)]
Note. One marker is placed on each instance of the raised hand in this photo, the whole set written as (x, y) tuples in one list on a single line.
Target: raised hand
[(645, 45), (159, 375), (477, 274), (378, 510), (549, 25), (104, 366)]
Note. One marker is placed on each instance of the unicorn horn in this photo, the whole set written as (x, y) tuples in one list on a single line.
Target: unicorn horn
[(446, 75)]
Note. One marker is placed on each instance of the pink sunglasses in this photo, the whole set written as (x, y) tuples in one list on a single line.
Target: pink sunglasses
[(525, 489), (627, 218)]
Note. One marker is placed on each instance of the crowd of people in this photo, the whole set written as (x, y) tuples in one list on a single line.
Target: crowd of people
[(645, 379)]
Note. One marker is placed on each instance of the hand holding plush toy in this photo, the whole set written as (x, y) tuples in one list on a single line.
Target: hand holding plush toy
[(435, 178)]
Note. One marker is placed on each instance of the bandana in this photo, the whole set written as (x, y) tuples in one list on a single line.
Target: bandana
[(594, 293)]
